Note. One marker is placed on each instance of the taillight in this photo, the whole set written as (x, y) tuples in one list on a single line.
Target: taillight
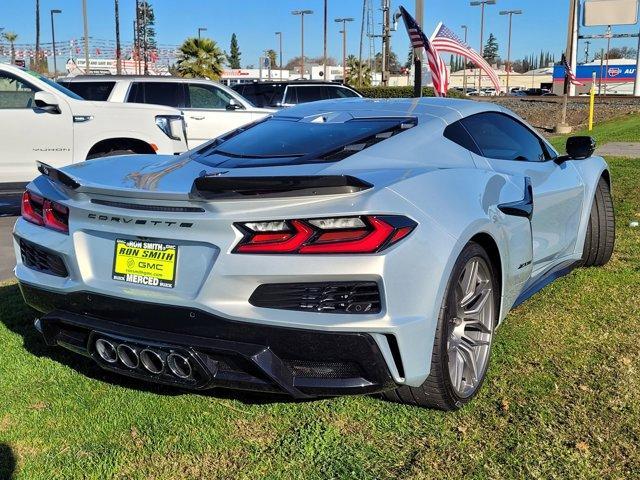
[(31, 208), (44, 212), (56, 216), (367, 234)]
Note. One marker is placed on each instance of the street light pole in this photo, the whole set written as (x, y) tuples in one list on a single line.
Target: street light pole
[(464, 59), (324, 49), (482, 4), (53, 42), (344, 46), (279, 35), (511, 13), (302, 13), (201, 29)]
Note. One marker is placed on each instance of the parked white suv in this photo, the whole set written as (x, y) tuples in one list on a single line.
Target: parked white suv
[(42, 121), (210, 109)]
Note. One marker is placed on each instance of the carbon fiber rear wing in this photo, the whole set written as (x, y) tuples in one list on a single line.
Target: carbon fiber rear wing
[(210, 187), (57, 176)]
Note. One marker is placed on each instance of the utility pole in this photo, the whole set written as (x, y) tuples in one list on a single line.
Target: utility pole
[(417, 54), (302, 13), (511, 13), (144, 37), (386, 40), (86, 37), (118, 50), (364, 14), (606, 70), (136, 37), (563, 127), (324, 48), (344, 46), (53, 42), (586, 51), (482, 4), (464, 59), (279, 35), (200, 30)]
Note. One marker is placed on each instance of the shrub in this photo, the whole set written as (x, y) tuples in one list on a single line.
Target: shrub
[(401, 92)]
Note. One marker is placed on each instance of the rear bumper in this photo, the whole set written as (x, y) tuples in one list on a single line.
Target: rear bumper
[(248, 356)]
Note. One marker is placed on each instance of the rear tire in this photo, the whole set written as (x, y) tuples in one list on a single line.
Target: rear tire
[(446, 388), (601, 229)]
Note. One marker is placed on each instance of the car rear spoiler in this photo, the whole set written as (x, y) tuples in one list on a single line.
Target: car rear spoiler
[(213, 187), (57, 176)]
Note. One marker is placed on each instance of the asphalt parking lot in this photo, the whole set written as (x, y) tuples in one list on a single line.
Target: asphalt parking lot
[(7, 257)]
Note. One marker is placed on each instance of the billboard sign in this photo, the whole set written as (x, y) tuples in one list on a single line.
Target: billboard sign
[(610, 12), (615, 73)]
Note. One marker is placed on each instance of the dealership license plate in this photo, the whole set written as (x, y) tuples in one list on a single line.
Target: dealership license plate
[(145, 263)]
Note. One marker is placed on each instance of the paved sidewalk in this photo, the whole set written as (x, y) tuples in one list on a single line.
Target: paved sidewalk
[(7, 255), (620, 149)]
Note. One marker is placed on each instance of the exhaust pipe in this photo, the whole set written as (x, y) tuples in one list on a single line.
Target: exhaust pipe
[(179, 365), (128, 356), (106, 350), (152, 361)]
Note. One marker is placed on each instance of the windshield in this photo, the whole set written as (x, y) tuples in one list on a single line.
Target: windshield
[(55, 85), (282, 141)]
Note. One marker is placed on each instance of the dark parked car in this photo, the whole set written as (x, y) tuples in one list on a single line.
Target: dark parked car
[(286, 94)]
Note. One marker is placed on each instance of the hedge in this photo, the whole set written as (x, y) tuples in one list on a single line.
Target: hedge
[(401, 92)]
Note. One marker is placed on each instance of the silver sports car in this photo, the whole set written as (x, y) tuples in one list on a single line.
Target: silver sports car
[(338, 247)]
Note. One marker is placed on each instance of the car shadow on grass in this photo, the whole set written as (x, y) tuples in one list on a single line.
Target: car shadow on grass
[(7, 462), (19, 318)]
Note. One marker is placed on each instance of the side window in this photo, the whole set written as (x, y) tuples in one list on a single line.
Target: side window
[(501, 137), (292, 96), (97, 91), (311, 93), (15, 93), (458, 134), (340, 92), (158, 93), (208, 97)]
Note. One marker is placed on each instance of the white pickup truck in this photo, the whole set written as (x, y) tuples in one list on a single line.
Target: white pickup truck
[(41, 120)]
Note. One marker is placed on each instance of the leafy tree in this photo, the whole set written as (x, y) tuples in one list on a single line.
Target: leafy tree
[(146, 31), (616, 53), (394, 63), (490, 52), (234, 53), (273, 57), (294, 63), (11, 38), (353, 69), (200, 58)]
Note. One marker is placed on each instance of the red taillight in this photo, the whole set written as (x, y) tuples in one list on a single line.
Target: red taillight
[(44, 212), (56, 216), (31, 208), (324, 236)]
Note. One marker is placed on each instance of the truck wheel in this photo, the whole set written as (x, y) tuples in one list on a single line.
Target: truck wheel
[(601, 229), (463, 336)]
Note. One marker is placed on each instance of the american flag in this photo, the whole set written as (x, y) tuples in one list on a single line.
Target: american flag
[(569, 73), (439, 73), (447, 41)]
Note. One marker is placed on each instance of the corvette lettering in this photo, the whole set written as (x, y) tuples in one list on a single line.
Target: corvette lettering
[(133, 221)]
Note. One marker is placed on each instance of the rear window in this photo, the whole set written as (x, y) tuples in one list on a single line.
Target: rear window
[(340, 92), (97, 91), (171, 94), (282, 141), (305, 94), (262, 95)]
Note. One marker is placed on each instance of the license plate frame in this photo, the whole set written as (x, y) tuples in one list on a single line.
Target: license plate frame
[(145, 262)]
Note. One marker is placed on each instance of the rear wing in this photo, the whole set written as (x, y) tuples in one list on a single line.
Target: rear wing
[(58, 176)]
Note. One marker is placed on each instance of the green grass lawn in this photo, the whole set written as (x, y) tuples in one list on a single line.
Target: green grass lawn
[(562, 400)]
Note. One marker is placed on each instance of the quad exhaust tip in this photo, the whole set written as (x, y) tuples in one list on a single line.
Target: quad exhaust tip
[(128, 356), (179, 365), (152, 361), (106, 350)]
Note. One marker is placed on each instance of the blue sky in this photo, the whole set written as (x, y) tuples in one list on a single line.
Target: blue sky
[(542, 27)]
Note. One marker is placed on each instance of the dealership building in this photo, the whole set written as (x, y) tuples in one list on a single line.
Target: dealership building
[(616, 79)]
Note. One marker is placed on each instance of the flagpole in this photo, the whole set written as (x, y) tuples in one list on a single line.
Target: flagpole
[(417, 54)]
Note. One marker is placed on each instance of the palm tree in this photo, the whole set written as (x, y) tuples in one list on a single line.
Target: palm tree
[(200, 58), (11, 38), (353, 67)]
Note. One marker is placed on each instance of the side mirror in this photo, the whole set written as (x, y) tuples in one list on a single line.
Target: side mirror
[(233, 105), (579, 148), (47, 101)]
